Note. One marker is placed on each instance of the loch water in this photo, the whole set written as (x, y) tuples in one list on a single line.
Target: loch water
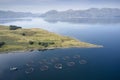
[(100, 63)]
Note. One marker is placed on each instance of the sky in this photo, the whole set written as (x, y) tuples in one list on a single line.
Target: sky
[(40, 6)]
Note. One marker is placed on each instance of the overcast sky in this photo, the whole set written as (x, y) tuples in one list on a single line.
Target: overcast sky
[(45, 5)]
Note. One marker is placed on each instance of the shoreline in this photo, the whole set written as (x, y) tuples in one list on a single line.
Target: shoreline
[(45, 49)]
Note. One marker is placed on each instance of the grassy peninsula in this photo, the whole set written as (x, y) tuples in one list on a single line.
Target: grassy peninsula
[(35, 38)]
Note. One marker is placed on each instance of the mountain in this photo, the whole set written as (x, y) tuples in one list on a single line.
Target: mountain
[(12, 14), (89, 13)]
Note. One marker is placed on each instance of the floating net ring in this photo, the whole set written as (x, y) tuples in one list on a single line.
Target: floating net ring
[(44, 67), (55, 59), (66, 58), (58, 66), (83, 61), (70, 64), (76, 56), (29, 70)]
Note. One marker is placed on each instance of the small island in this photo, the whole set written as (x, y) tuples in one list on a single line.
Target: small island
[(14, 38)]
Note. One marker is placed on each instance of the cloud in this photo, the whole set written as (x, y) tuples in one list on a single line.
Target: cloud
[(55, 1), (44, 5), (29, 2)]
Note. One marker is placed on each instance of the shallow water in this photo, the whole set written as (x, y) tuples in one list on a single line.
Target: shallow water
[(101, 63)]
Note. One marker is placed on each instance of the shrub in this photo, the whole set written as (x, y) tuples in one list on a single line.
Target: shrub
[(51, 43), (45, 44), (40, 43), (23, 34), (1, 44), (13, 27), (31, 42)]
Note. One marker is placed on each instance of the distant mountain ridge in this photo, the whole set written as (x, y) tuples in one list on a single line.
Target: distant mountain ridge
[(89, 13), (68, 14), (12, 14)]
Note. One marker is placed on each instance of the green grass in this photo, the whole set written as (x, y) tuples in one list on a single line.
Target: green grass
[(16, 41)]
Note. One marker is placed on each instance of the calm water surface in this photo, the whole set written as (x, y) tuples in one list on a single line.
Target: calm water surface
[(102, 63)]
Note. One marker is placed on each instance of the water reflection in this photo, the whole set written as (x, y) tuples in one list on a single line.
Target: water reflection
[(72, 20), (86, 20), (10, 20)]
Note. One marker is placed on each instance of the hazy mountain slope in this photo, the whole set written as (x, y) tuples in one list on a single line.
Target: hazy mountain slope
[(90, 13), (11, 14)]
